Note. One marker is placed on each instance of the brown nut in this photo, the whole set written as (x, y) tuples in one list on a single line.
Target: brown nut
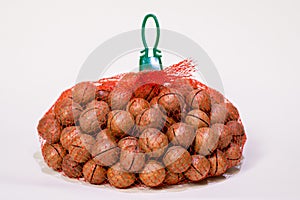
[(93, 118), (150, 118), (233, 155), (153, 142), (206, 141), (71, 168), (123, 91), (172, 101), (199, 169), (197, 119), (67, 111), (218, 164), (153, 174), (120, 122), (119, 98), (53, 155), (154, 104), (237, 131), (103, 135), (169, 121), (93, 173), (225, 135), (215, 96), (127, 141), (136, 106), (173, 178), (181, 134), (102, 95), (49, 128), (147, 91), (81, 147), (68, 134), (184, 86), (233, 113), (218, 113), (83, 92), (132, 159), (199, 99), (119, 178), (105, 152), (177, 159)]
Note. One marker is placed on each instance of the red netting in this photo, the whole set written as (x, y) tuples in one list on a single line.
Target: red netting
[(154, 128)]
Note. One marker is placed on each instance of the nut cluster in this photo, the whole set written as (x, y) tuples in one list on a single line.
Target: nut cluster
[(142, 133)]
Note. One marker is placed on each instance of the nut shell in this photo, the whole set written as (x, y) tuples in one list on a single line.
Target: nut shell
[(150, 118), (106, 152), (68, 134), (238, 132), (67, 111), (177, 159), (199, 99), (49, 128), (218, 164), (147, 91), (93, 118), (172, 101), (199, 169), (153, 174), (181, 134), (127, 141), (172, 178), (197, 119), (53, 155), (71, 168), (120, 122), (233, 155), (84, 92), (81, 147), (206, 141), (119, 178), (132, 158), (215, 96), (233, 113), (218, 114), (225, 135), (136, 106), (93, 173), (153, 142)]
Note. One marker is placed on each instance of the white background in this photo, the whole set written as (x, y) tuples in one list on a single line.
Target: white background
[(253, 43)]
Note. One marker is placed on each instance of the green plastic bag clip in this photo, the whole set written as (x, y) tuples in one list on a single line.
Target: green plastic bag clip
[(152, 62)]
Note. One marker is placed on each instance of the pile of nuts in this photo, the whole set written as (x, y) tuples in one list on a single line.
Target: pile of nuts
[(142, 133)]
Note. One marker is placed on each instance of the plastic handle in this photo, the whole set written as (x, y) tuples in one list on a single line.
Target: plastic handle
[(157, 31), (153, 62)]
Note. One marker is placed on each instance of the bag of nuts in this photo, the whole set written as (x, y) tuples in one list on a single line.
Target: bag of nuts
[(152, 128)]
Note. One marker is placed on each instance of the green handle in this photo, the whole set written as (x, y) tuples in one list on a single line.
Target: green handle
[(153, 62)]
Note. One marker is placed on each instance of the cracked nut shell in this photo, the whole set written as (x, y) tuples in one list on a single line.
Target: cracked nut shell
[(153, 142), (93, 173), (71, 168), (181, 134), (119, 178), (206, 141), (93, 118), (153, 174), (199, 169), (53, 155), (49, 128), (177, 159)]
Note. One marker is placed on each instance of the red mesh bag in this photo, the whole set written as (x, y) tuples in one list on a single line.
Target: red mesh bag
[(151, 128)]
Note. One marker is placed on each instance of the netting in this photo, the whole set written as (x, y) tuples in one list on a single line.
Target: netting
[(152, 128)]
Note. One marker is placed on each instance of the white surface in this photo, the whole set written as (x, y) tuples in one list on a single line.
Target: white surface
[(254, 44)]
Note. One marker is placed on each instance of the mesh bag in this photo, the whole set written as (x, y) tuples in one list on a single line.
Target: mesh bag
[(151, 128)]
